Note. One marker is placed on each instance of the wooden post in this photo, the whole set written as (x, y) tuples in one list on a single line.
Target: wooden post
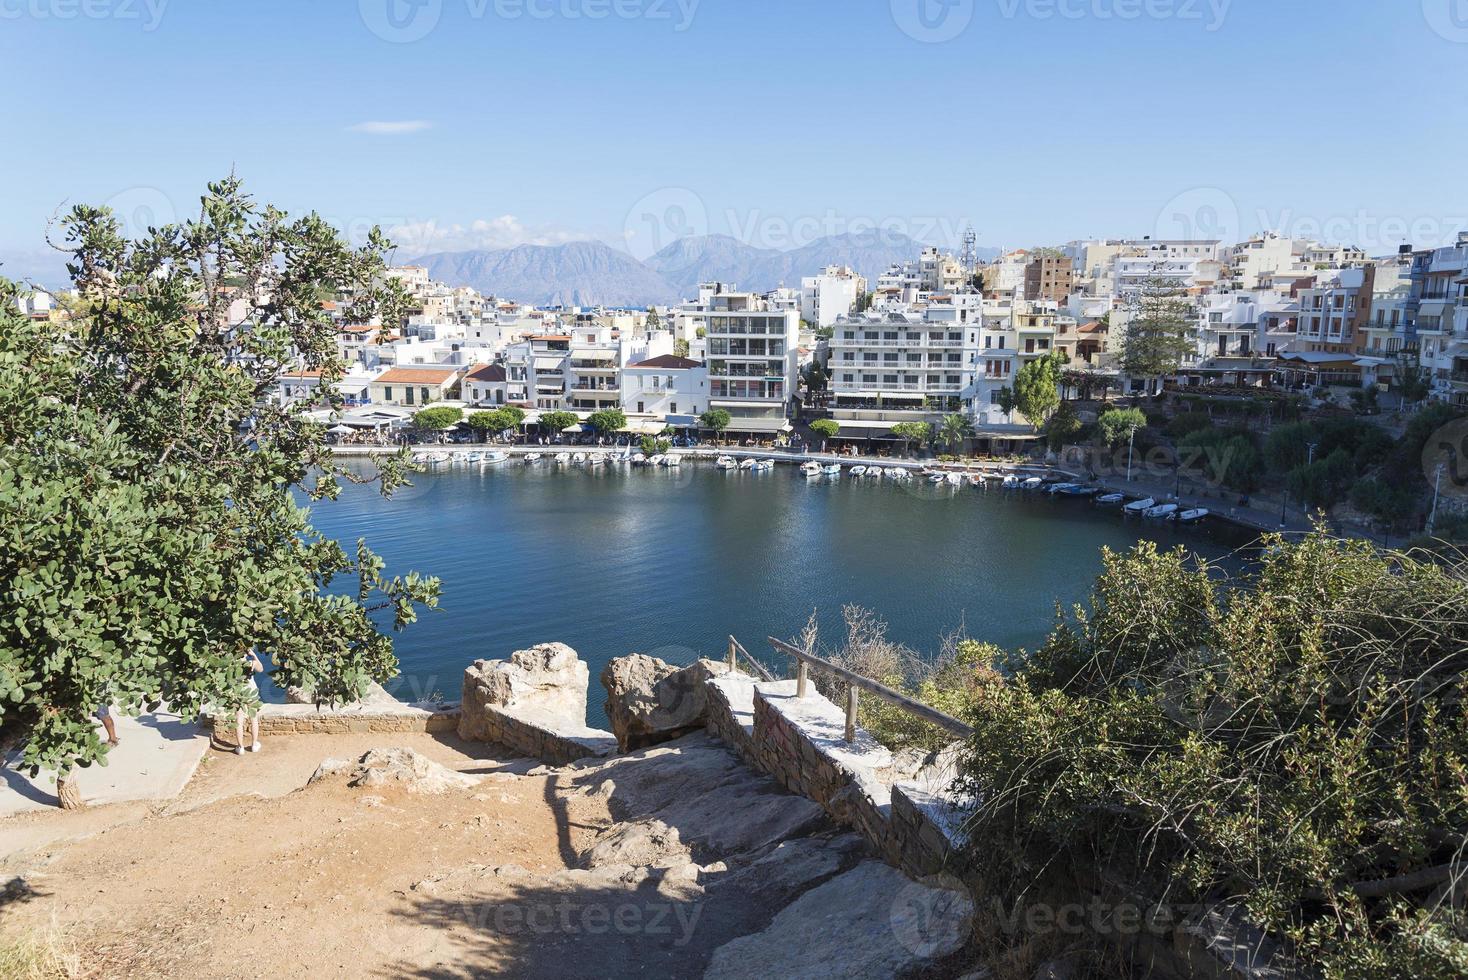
[(852, 694), (801, 676), (733, 663)]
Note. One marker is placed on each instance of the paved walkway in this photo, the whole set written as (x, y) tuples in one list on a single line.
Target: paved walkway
[(155, 758)]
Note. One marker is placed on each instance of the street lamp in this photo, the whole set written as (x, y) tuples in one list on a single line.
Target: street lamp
[(1436, 489), (1131, 438)]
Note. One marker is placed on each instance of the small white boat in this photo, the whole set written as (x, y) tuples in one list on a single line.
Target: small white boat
[(727, 463), (858, 471), (896, 473), (562, 459), (460, 457), (671, 460), (955, 479), (435, 459), (493, 457), (641, 460), (1010, 482), (596, 459), (1140, 506), (1033, 483), (1055, 488), (656, 460), (976, 479), (1161, 511), (1110, 499), (831, 469), (874, 472), (934, 476), (532, 458), (578, 458), (474, 456), (1191, 516), (747, 464), (810, 469), (763, 465)]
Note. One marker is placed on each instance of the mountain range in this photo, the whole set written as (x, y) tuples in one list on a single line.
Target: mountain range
[(592, 273)]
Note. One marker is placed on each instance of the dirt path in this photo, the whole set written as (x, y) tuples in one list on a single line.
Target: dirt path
[(282, 881)]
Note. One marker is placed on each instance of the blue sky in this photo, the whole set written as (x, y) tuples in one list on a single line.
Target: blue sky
[(632, 121)]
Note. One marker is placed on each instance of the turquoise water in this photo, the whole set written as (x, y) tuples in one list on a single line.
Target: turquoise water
[(670, 562)]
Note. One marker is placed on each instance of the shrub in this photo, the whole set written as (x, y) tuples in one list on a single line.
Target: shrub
[(1188, 422), (1295, 741)]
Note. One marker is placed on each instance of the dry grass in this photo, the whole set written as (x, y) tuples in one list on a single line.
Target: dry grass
[(48, 956)]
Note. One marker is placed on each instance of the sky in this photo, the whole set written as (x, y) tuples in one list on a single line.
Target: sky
[(487, 123)]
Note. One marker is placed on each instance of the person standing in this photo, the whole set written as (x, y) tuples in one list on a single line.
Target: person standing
[(251, 705)]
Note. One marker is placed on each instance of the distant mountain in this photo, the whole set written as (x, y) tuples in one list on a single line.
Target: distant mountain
[(592, 273), (689, 261), (575, 274)]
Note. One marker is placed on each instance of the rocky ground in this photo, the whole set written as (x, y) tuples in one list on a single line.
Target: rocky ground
[(674, 861)]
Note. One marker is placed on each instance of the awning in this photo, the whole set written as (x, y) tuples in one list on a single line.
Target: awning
[(548, 364), (908, 395), (863, 425), (341, 430), (767, 426), (644, 427), (682, 421)]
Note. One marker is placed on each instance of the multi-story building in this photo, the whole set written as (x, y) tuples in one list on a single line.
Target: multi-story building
[(1268, 254), (753, 358), (665, 385), (895, 367), (486, 384), (1437, 315), (831, 295), (1049, 276), (1334, 311)]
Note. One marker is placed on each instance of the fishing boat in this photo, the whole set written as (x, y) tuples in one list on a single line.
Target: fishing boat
[(1161, 511), (727, 463), (670, 460), (976, 480), (1111, 499), (578, 458), (1033, 483), (596, 459), (532, 458), (493, 456), (810, 469), (1011, 482), (459, 457), (1140, 506), (831, 469), (1080, 490), (656, 459), (747, 464), (858, 471), (435, 459), (1055, 488), (896, 473), (763, 465), (954, 479), (1191, 516), (934, 476)]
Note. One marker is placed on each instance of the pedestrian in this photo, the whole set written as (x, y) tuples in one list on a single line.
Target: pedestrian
[(105, 714), (250, 704)]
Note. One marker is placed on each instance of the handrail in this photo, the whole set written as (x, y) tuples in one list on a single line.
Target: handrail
[(736, 647), (856, 681)]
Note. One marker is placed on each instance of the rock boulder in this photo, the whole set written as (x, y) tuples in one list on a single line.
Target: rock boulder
[(651, 701), (399, 767)]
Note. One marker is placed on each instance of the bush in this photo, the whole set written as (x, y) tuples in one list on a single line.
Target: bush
[(1188, 422), (1381, 500), (1295, 741)]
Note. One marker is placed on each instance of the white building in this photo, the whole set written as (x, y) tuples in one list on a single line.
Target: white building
[(665, 385), (831, 295), (753, 357)]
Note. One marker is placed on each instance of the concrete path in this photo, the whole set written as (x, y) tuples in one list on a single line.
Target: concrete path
[(157, 755)]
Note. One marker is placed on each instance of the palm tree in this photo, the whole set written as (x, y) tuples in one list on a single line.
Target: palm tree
[(955, 429)]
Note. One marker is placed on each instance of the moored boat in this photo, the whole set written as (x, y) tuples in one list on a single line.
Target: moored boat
[(1033, 483), (858, 471), (810, 469), (1140, 506), (1191, 516), (1161, 511), (831, 469), (494, 456), (727, 463), (532, 458), (1111, 499)]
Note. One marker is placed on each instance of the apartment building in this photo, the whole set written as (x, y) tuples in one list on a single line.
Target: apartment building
[(1049, 276), (752, 359), (900, 366), (827, 297), (1437, 317), (666, 385), (1334, 311)]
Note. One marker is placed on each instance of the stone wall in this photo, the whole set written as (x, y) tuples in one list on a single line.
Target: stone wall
[(378, 712), (534, 703)]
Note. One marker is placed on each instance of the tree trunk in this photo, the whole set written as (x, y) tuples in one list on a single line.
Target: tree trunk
[(68, 792)]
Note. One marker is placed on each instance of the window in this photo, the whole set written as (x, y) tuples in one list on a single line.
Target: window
[(387, 394)]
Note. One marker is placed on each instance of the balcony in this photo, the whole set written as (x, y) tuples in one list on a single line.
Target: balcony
[(894, 386)]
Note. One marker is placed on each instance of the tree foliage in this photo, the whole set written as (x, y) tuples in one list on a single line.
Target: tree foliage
[(608, 421), (954, 429), (437, 419), (1037, 389), (1295, 742), (825, 428), (716, 419), (554, 423), (1117, 425), (913, 432), (148, 487), (1161, 328)]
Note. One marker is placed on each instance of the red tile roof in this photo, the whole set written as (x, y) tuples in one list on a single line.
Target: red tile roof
[(672, 361), (488, 373), (414, 376)]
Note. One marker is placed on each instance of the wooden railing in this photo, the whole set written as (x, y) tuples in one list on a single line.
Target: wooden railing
[(855, 683), (736, 648)]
